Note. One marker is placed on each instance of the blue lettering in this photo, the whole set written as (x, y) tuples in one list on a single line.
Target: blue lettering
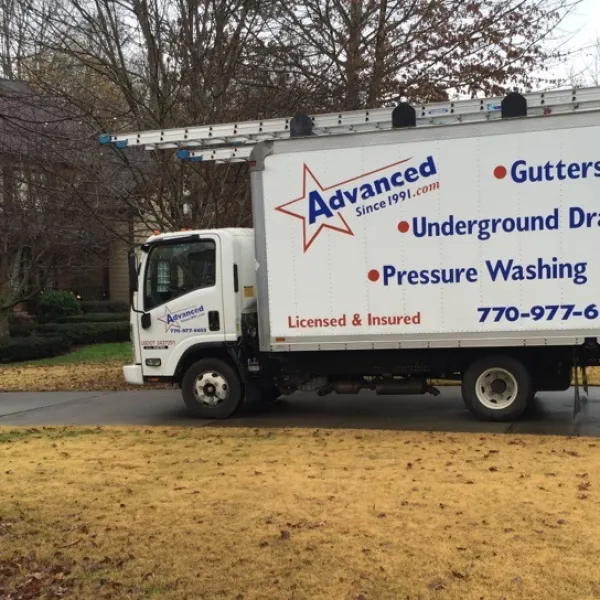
[(539, 270), (337, 200), (411, 175), (174, 317), (396, 179), (435, 276), (573, 171), (367, 191), (413, 277), (352, 196), (535, 174), (471, 275), (427, 169), (499, 268), (429, 276), (382, 185), (518, 176), (484, 228), (361, 211), (317, 207), (388, 272), (576, 217), (521, 172)]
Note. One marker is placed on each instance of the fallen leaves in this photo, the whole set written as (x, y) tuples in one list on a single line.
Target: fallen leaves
[(75, 377), (460, 504), (436, 585), (69, 544), (26, 578)]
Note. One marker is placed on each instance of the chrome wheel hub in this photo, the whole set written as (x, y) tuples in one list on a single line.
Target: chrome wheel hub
[(496, 389), (211, 389)]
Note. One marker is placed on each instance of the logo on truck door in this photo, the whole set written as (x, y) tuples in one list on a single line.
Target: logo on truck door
[(321, 208), (173, 320)]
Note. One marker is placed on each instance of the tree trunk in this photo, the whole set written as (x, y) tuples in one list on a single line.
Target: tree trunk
[(4, 332)]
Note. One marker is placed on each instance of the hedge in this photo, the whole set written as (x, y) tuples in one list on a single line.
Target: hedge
[(55, 304), (88, 333), (32, 348), (95, 318), (20, 325), (103, 306)]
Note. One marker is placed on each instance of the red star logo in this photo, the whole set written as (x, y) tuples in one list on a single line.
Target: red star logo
[(338, 223), (309, 236)]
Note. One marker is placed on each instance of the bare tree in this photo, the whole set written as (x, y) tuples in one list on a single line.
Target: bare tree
[(585, 65), (364, 52), (155, 64), (140, 64), (46, 230)]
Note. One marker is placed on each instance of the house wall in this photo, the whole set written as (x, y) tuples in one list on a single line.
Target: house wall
[(91, 285), (118, 267)]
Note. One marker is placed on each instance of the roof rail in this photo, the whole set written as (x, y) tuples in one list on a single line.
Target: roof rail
[(233, 142)]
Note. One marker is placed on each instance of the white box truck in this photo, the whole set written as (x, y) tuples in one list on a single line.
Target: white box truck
[(384, 259)]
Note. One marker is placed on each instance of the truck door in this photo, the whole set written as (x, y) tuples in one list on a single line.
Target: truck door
[(181, 300)]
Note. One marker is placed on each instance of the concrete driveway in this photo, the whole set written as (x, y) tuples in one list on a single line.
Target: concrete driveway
[(552, 413)]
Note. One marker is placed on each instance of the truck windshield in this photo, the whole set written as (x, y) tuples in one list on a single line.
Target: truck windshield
[(173, 270)]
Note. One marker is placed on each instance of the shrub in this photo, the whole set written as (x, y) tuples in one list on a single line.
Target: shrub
[(54, 305), (32, 348), (95, 318), (20, 324), (88, 333), (104, 306)]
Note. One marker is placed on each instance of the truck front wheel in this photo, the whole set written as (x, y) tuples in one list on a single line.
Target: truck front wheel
[(212, 389), (497, 388)]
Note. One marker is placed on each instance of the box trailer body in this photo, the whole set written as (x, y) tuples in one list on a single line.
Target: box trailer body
[(381, 260), (454, 236)]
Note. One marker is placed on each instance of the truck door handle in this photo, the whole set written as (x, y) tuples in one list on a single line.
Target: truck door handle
[(213, 320)]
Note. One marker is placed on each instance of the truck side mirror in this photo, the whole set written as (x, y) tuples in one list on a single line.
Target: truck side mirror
[(145, 320), (133, 274)]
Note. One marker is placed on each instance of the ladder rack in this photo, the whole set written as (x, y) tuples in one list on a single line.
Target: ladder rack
[(233, 142)]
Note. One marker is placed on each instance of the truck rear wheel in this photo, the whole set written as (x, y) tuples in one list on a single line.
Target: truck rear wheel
[(212, 389), (497, 388)]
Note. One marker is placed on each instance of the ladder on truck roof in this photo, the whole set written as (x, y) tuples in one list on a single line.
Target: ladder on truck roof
[(233, 142)]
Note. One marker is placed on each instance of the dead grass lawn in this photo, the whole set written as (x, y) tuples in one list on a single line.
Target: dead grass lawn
[(246, 514), (72, 377), (30, 378), (100, 376)]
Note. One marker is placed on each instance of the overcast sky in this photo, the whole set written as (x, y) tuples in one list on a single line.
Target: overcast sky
[(579, 31)]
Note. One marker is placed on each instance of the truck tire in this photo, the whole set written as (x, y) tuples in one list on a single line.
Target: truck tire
[(212, 389), (497, 388)]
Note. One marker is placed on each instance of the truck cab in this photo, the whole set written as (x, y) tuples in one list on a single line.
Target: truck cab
[(189, 293)]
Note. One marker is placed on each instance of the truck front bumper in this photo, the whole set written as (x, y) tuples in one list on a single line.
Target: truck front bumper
[(133, 374)]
